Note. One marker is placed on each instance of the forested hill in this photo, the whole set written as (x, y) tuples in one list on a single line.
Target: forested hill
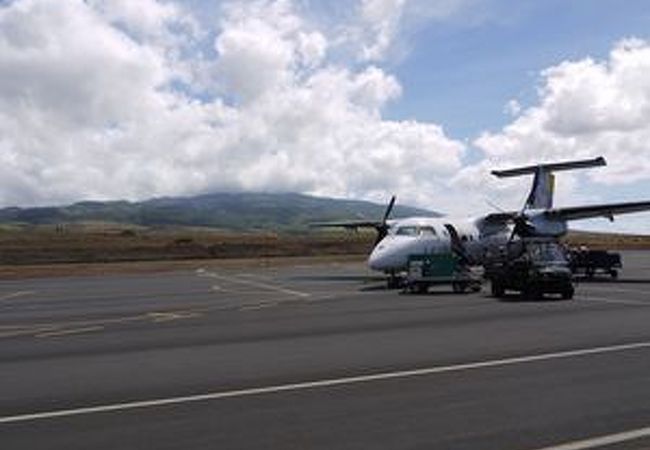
[(234, 211)]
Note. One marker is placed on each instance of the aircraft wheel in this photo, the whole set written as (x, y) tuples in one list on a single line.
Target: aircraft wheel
[(497, 289), (532, 293), (394, 282), (568, 293)]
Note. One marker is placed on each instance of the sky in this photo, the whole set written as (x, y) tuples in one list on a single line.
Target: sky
[(133, 99)]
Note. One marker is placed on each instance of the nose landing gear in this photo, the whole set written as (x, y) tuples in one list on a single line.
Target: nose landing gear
[(394, 280)]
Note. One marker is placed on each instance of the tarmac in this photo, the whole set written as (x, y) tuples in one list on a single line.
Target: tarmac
[(320, 356)]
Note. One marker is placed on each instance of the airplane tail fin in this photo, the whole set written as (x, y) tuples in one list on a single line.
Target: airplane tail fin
[(541, 194)]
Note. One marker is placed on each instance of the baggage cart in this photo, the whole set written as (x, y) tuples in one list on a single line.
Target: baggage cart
[(426, 270)]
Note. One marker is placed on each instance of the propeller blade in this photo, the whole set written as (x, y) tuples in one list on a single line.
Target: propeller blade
[(388, 210), (381, 233), (382, 229), (512, 235), (522, 227)]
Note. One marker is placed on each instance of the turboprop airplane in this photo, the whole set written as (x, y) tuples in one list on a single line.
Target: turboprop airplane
[(472, 239)]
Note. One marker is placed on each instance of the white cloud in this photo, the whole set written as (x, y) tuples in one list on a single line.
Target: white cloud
[(142, 18), (513, 107), (382, 19), (586, 108), (92, 105), (381, 25)]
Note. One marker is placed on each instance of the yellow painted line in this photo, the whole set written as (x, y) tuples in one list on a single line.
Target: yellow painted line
[(16, 295), (67, 332), (81, 326), (157, 316), (25, 331), (83, 323), (14, 327)]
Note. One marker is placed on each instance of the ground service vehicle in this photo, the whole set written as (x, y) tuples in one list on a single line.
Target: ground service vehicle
[(590, 262), (426, 270), (533, 267)]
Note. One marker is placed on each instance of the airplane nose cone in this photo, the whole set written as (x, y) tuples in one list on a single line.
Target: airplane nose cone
[(391, 254), (378, 259)]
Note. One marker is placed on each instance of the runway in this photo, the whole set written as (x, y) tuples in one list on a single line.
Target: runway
[(320, 356)]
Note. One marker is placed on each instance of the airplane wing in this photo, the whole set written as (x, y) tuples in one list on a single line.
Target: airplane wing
[(380, 225), (351, 224), (587, 212)]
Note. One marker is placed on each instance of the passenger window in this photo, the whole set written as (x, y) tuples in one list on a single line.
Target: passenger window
[(428, 231)]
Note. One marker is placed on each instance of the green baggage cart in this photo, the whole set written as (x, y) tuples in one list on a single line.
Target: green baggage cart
[(425, 270)]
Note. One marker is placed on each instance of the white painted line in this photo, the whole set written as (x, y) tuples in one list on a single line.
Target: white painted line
[(258, 306), (271, 287), (68, 332), (324, 383), (168, 316), (252, 275), (606, 288), (613, 301), (602, 441)]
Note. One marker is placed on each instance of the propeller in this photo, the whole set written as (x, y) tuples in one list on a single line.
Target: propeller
[(523, 227), (382, 227)]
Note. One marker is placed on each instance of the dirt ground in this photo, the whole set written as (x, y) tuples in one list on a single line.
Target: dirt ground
[(97, 249)]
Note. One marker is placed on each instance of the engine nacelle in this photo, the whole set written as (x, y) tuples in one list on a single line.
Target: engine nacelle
[(540, 225)]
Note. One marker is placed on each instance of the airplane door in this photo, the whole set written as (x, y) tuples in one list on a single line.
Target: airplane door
[(429, 239), (456, 243)]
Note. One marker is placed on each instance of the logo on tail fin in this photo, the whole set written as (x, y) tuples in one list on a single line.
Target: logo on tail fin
[(541, 195)]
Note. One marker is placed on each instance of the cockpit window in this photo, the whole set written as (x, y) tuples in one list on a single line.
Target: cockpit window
[(414, 231), (407, 231)]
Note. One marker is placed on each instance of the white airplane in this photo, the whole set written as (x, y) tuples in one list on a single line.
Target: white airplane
[(474, 238)]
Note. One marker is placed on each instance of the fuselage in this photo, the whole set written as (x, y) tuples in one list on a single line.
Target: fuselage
[(426, 235)]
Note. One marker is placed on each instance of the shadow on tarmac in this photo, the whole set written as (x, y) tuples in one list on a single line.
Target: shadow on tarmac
[(608, 280)]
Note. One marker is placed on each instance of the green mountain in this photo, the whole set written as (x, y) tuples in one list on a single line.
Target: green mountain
[(235, 211)]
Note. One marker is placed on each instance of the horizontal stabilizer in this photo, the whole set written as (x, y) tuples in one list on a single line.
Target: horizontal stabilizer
[(552, 167), (590, 211)]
